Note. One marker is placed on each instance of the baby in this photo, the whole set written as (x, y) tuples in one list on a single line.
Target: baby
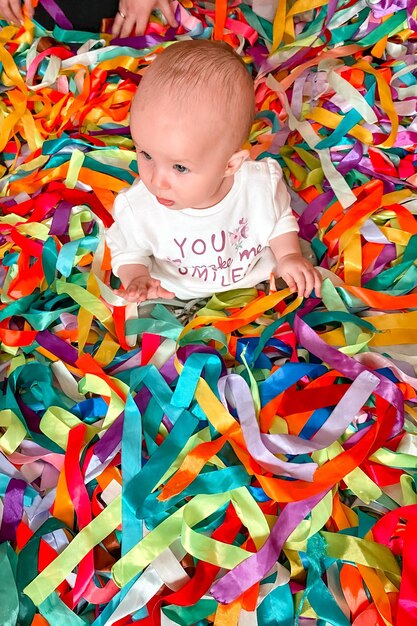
[(202, 218)]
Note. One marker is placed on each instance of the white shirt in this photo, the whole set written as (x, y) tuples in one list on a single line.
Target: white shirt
[(198, 252)]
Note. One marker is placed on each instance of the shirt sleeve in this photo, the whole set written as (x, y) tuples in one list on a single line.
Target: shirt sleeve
[(123, 237), (285, 220)]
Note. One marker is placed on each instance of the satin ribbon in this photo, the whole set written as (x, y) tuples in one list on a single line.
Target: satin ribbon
[(67, 151)]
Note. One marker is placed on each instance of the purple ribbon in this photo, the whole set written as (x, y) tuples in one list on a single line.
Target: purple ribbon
[(335, 425), (257, 445), (387, 7), (144, 41), (57, 346), (306, 221), (351, 159), (387, 255), (388, 180), (257, 566), (57, 14), (13, 509), (120, 130), (185, 351), (61, 218), (343, 363), (105, 447), (331, 10), (32, 419)]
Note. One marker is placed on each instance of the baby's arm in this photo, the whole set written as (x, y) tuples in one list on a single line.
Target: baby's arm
[(131, 252), (297, 272), (139, 284)]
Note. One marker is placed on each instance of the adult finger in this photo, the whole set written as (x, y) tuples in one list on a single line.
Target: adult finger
[(128, 25), (29, 8), (141, 22), (124, 21), (168, 12), (117, 25), (11, 11)]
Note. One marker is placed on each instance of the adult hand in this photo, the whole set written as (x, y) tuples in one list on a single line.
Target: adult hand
[(11, 10), (144, 288), (133, 15)]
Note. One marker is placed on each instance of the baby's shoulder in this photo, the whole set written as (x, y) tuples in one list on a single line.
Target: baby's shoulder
[(133, 193), (132, 205), (264, 170), (134, 199)]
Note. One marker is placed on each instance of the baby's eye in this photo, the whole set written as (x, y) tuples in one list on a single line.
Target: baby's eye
[(181, 168), (145, 155)]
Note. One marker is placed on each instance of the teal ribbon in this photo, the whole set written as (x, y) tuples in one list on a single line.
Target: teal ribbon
[(262, 26), (277, 608), (57, 613), (27, 570), (384, 29), (9, 599), (189, 615), (348, 122), (131, 466), (319, 596), (207, 482)]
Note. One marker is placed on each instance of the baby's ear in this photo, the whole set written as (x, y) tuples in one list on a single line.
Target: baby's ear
[(236, 161)]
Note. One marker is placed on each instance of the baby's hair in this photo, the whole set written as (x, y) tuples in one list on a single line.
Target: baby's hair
[(195, 71)]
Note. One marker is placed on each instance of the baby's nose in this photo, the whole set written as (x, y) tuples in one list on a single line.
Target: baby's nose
[(160, 180)]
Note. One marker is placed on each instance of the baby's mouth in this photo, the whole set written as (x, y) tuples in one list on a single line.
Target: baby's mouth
[(165, 202)]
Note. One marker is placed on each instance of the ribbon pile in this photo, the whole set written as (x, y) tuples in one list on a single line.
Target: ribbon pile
[(246, 460)]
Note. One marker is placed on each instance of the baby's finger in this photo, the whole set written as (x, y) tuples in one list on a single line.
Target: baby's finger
[(125, 295), (156, 291), (136, 293), (135, 296), (317, 283), (290, 282), (301, 284), (164, 293), (132, 290), (309, 283)]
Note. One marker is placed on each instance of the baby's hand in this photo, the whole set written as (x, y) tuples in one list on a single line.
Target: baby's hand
[(300, 275), (144, 288)]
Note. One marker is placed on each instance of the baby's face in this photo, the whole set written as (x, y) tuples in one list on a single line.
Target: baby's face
[(181, 158)]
